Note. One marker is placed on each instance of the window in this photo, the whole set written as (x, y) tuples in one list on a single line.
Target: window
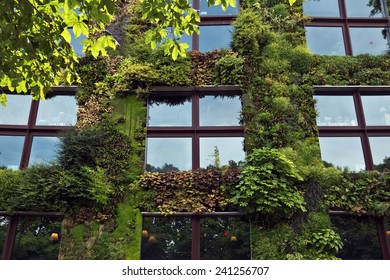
[(184, 236), (29, 129), (359, 236), (30, 235), (215, 27), (354, 126), (189, 128), (347, 27)]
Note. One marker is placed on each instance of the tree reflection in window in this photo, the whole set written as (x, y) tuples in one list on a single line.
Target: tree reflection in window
[(4, 221), (165, 238), (225, 238), (34, 240), (360, 238)]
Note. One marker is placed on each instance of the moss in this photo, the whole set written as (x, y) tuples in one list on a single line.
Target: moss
[(78, 232), (129, 116)]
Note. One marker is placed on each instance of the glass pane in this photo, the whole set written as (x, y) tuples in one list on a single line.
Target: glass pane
[(215, 37), (165, 154), (219, 151), (217, 110), (37, 238), (364, 8), (184, 38), (335, 111), (44, 149), (343, 152), (205, 10), (327, 8), (17, 110), (11, 151), (376, 110), (325, 40), (380, 150), (166, 238), (60, 110), (76, 43), (170, 111), (369, 40), (359, 236), (224, 238), (4, 222)]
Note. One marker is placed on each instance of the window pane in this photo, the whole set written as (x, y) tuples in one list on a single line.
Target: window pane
[(364, 8), (4, 222), (35, 239), (380, 150), (219, 151), (325, 40), (16, 111), (170, 111), (44, 149), (11, 151), (359, 236), (224, 238), (369, 40), (215, 37), (165, 238), (376, 110), (219, 110), (336, 111), (343, 152), (60, 110), (205, 10), (165, 154), (327, 8)]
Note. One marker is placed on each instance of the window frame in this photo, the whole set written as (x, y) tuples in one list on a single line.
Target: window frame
[(209, 20), (31, 130), (346, 22), (195, 225), (361, 130), (195, 131), (13, 227)]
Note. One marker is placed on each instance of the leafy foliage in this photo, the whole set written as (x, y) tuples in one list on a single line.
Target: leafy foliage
[(267, 185), (186, 191), (36, 43)]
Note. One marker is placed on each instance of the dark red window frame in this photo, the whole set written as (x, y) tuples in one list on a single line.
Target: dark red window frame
[(361, 130), (31, 129), (195, 224), (347, 22), (207, 21), (195, 131)]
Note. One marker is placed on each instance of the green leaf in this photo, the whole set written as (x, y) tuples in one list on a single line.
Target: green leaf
[(66, 35), (3, 99), (80, 28), (292, 2)]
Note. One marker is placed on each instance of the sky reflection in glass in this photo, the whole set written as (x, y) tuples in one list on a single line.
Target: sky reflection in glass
[(44, 149), (335, 111), (17, 110), (229, 148), (325, 40), (11, 151), (343, 152), (213, 110), (326, 8), (169, 151)]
